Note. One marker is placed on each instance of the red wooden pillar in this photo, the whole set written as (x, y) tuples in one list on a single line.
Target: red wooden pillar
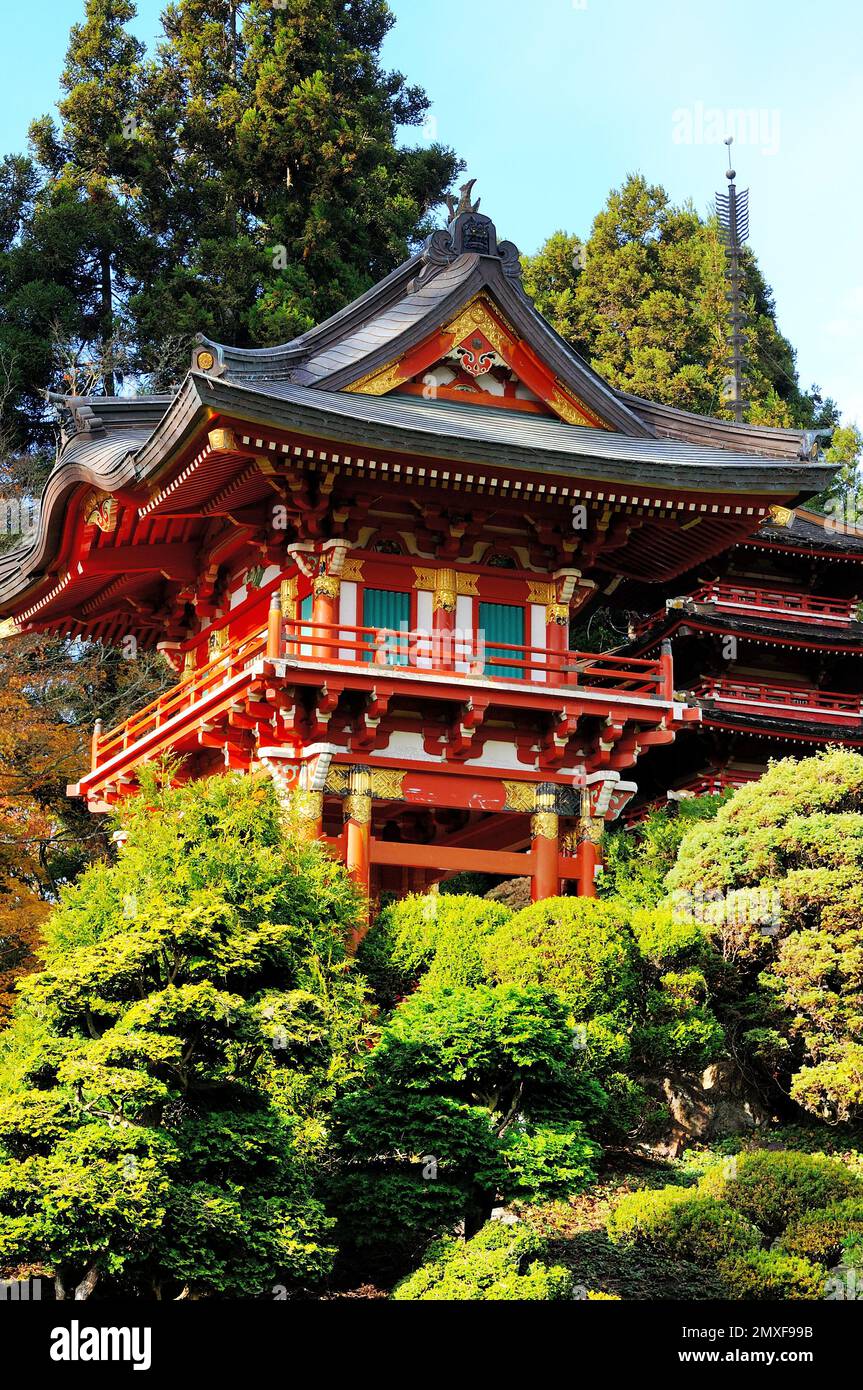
[(358, 829), (325, 612), (443, 620), (274, 626), (545, 844), (588, 855), (556, 640)]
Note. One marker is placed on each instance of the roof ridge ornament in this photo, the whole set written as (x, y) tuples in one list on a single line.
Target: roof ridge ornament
[(464, 203), (470, 232)]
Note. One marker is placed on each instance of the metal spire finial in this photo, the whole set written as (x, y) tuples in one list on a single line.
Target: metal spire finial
[(732, 210)]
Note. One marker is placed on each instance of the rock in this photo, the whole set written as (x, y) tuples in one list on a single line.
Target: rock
[(514, 894), (713, 1105)]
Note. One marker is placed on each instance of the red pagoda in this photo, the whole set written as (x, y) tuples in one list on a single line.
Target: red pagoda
[(362, 552)]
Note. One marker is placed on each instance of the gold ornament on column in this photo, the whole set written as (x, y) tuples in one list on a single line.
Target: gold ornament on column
[(326, 585), (358, 802), (445, 591), (310, 806), (546, 822), (557, 613)]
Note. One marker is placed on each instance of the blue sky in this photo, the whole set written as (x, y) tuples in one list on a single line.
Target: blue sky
[(553, 102)]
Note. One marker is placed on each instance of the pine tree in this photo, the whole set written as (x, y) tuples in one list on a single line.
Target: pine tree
[(270, 172), (644, 301)]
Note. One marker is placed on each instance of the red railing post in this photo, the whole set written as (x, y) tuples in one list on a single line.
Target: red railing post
[(94, 745), (274, 626), (666, 672)]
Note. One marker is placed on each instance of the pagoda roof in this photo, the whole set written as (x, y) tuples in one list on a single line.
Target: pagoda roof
[(802, 530), (346, 386)]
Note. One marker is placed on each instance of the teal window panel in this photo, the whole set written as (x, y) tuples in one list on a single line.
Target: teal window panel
[(388, 608), (502, 622)]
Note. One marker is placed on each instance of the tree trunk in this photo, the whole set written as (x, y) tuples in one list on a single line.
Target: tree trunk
[(87, 1285)]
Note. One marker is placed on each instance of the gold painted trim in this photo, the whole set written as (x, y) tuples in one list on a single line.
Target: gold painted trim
[(352, 571), (520, 796)]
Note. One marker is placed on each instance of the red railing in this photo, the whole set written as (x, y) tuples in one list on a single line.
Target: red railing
[(194, 687), (787, 602), (826, 705), (469, 655), (778, 603), (461, 656)]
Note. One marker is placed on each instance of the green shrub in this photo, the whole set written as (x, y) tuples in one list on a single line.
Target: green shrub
[(549, 1161), (581, 949), (500, 1263), (820, 1235), (678, 1222), (793, 842), (437, 936), (773, 1189), (470, 1085), (769, 1276)]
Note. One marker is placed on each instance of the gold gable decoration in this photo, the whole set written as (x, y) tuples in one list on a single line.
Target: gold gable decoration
[(100, 509), (477, 317)]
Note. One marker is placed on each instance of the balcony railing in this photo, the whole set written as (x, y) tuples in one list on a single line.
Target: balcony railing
[(816, 706), (785, 602), (747, 599), (460, 657)]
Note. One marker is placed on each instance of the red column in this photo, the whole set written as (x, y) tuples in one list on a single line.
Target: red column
[(588, 855), (274, 626), (556, 640), (325, 610), (443, 620), (545, 844), (358, 826)]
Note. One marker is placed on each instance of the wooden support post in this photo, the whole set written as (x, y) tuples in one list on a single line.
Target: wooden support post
[(358, 826), (443, 620), (556, 640), (274, 626), (94, 745), (545, 838), (589, 854), (667, 669), (325, 611)]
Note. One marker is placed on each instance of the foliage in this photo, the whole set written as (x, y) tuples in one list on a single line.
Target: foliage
[(677, 1222), (638, 858), (164, 1085), (465, 1099), (772, 1189), (436, 937), (820, 1235), (50, 694), (644, 301), (501, 1262), (769, 1276), (793, 843), (579, 948)]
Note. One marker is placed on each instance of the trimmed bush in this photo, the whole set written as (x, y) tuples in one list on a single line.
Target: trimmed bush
[(549, 1161), (436, 936), (678, 1222), (768, 1276), (499, 1264), (773, 1189), (821, 1235), (581, 949)]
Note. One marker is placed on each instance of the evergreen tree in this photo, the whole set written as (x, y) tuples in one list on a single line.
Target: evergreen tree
[(269, 171), (644, 301), (164, 1086)]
